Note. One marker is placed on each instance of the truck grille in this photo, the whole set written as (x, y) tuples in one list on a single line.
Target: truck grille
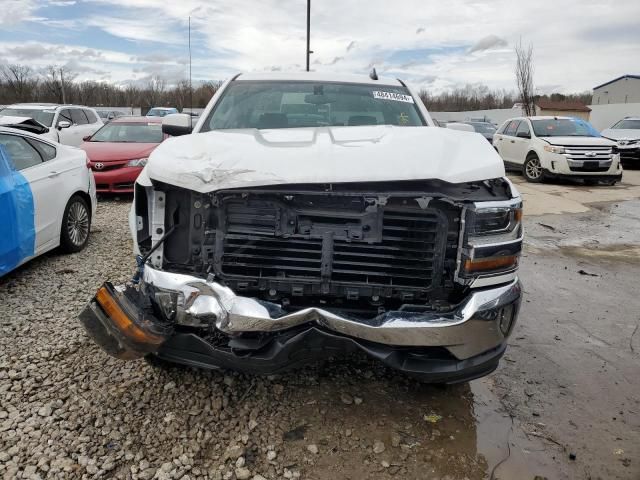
[(407, 253)]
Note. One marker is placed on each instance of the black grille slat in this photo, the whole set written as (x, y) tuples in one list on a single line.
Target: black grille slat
[(407, 252)]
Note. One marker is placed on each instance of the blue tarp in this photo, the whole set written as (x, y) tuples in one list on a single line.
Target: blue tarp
[(17, 216)]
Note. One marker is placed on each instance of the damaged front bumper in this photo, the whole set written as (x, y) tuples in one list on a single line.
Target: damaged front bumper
[(472, 334)]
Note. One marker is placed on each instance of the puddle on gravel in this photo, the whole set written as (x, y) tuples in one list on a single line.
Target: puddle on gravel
[(622, 253), (510, 452), (428, 432), (612, 227)]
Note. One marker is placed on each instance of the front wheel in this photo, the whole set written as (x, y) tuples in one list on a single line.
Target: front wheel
[(76, 223), (532, 169)]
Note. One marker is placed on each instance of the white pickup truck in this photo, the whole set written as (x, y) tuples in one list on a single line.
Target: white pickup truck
[(306, 215)]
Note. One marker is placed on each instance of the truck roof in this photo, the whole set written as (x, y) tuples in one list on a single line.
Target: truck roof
[(319, 77)]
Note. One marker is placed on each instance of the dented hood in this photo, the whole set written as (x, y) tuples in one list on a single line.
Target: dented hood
[(223, 159)]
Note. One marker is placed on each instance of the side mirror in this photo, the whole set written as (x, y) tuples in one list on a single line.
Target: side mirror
[(176, 124), (463, 127), (63, 124), (86, 138), (523, 135)]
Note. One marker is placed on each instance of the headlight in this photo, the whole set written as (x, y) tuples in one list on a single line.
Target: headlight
[(552, 149), (494, 224), (493, 238), (138, 162)]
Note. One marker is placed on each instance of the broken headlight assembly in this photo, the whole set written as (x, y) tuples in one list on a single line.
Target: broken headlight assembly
[(492, 239)]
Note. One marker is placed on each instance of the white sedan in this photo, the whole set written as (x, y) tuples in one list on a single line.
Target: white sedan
[(47, 197)]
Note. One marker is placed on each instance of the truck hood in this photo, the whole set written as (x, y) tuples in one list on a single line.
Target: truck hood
[(222, 159), (621, 134), (582, 141)]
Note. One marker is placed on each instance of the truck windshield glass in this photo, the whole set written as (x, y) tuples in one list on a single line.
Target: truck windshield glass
[(129, 133), (482, 127), (563, 127), (628, 124), (160, 112), (45, 117), (268, 104)]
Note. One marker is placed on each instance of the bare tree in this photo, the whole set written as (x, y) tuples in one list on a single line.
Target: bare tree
[(155, 90), (524, 78), (19, 80), (58, 81)]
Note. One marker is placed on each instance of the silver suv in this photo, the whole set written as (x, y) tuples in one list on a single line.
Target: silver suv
[(626, 133)]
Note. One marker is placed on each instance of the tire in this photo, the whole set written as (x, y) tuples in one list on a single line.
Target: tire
[(532, 169), (611, 182), (76, 225)]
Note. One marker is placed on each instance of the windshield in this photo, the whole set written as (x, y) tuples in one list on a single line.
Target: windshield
[(482, 127), (563, 127), (628, 124), (160, 112), (45, 117), (269, 104), (129, 133)]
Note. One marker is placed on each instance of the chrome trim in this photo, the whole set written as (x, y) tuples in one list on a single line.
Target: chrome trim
[(468, 329), (511, 203), (498, 244), (488, 280)]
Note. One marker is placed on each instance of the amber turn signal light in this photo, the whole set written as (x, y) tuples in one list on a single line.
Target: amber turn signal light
[(490, 264), (517, 214), (122, 320)]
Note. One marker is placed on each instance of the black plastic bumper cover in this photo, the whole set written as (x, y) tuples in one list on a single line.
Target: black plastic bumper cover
[(303, 346)]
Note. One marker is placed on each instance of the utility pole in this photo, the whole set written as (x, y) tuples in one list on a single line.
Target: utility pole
[(190, 84), (309, 52), (64, 97)]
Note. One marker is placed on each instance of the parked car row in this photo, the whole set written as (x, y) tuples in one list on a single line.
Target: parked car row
[(48, 187), (626, 133), (118, 152), (66, 124), (47, 196), (590, 155), (544, 147)]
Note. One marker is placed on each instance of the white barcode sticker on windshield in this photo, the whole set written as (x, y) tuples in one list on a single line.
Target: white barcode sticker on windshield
[(397, 97)]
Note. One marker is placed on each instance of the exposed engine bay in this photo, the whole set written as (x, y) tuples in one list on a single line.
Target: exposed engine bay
[(360, 249)]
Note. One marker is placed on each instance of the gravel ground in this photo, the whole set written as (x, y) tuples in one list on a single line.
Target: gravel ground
[(562, 405), (69, 411)]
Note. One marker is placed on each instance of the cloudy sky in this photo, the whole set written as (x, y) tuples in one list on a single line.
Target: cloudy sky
[(434, 44)]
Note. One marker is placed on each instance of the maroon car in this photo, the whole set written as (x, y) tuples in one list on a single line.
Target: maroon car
[(118, 151)]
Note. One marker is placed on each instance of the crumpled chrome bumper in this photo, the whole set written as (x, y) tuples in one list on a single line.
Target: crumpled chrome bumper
[(480, 323)]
